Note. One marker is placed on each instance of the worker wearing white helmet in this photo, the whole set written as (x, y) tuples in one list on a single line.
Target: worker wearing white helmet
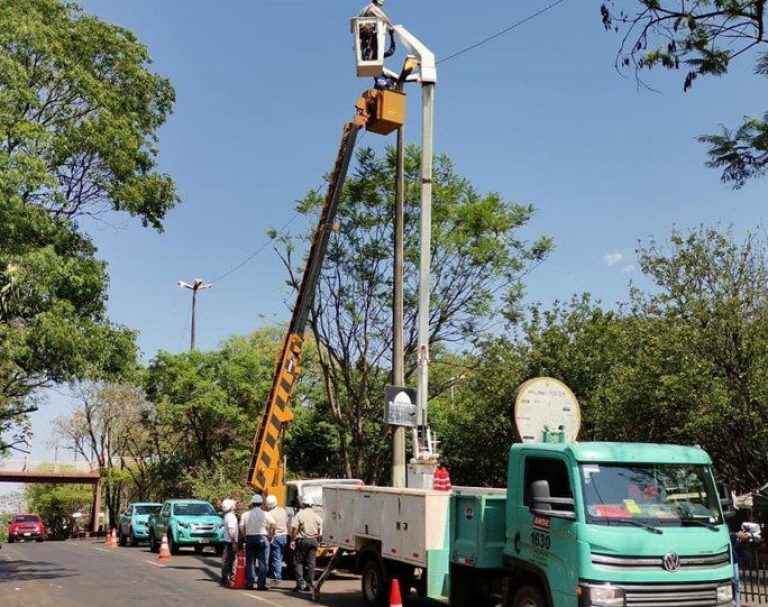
[(279, 541), (230, 539), (306, 533), (258, 527)]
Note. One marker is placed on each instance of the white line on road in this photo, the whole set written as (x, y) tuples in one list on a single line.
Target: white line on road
[(103, 550), (154, 563), (263, 600)]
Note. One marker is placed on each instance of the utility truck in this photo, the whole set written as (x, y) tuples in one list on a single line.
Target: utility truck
[(579, 524)]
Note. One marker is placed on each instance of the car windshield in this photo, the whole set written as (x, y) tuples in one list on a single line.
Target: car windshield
[(194, 509), (26, 518), (146, 509), (656, 494)]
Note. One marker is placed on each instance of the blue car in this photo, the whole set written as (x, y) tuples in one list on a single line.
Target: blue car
[(134, 522)]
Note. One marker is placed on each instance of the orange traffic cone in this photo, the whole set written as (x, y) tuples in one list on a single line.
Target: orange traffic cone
[(239, 582), (395, 600), (439, 480), (165, 553), (446, 479)]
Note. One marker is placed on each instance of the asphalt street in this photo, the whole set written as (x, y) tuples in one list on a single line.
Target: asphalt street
[(86, 573)]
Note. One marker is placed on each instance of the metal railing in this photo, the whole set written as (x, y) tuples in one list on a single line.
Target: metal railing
[(47, 467), (753, 575)]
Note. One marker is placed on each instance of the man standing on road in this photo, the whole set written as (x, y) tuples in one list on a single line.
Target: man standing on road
[(280, 539), (306, 532), (229, 556), (258, 526)]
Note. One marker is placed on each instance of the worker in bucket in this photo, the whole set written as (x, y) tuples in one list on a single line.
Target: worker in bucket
[(257, 527), (279, 540), (231, 537), (306, 533)]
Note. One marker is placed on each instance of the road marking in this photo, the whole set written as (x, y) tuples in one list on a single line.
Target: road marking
[(263, 600), (154, 563), (103, 550)]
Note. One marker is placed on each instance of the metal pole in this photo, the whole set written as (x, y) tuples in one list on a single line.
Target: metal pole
[(194, 306), (428, 100), (398, 363)]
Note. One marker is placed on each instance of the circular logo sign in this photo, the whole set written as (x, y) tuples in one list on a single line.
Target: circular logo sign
[(671, 561), (469, 512)]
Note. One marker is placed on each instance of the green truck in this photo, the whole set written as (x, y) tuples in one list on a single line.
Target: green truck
[(186, 522), (578, 525)]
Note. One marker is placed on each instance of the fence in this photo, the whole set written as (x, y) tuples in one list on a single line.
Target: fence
[(753, 575), (42, 467)]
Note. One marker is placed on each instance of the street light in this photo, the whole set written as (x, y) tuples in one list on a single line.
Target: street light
[(197, 285)]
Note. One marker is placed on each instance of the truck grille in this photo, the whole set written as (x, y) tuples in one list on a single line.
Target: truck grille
[(671, 595), (707, 561)]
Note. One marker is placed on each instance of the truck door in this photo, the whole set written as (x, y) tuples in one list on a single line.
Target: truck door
[(162, 521), (546, 541)]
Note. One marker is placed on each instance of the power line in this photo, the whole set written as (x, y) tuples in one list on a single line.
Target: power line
[(502, 32), (250, 257)]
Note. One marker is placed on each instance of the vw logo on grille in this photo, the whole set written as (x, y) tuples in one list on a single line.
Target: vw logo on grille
[(671, 561)]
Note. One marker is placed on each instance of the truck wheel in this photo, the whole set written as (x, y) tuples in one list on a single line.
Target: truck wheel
[(199, 549), (374, 583), (173, 547), (219, 550), (529, 596), (121, 538), (154, 546)]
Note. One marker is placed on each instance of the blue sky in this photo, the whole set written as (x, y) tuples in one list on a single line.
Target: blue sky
[(540, 115)]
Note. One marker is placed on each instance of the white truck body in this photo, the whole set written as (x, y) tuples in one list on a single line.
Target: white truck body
[(407, 522)]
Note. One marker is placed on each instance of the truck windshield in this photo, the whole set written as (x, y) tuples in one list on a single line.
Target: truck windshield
[(656, 494), (146, 509), (194, 509)]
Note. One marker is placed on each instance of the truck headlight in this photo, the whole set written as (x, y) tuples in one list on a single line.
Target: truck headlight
[(725, 594), (183, 524), (602, 596)]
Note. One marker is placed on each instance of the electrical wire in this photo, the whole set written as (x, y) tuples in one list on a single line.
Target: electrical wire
[(501, 33), (251, 256)]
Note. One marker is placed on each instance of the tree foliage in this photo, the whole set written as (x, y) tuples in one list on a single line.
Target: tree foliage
[(703, 38), (478, 259), (56, 503), (79, 109)]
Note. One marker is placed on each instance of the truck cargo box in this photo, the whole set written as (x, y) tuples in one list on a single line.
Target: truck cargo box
[(407, 522), (478, 526)]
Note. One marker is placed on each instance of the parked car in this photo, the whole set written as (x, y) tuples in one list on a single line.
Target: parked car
[(186, 523), (134, 522), (24, 527)]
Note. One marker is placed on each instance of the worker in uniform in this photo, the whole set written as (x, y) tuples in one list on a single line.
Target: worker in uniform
[(257, 527), (231, 537), (279, 540), (306, 533)]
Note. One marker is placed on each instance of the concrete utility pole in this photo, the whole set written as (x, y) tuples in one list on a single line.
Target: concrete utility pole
[(196, 286), (398, 355)]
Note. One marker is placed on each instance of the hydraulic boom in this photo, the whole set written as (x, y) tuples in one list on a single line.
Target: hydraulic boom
[(266, 472)]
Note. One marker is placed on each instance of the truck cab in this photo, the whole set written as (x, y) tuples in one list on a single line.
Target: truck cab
[(186, 522), (604, 524), (133, 525)]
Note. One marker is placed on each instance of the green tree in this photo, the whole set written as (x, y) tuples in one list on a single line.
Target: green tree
[(56, 504), (79, 109), (479, 258), (702, 38)]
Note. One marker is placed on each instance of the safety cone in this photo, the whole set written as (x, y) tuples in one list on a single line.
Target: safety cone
[(446, 479), (112, 539), (165, 553), (395, 600), (239, 582), (441, 481)]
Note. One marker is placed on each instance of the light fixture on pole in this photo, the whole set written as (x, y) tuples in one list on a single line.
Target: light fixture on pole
[(197, 285)]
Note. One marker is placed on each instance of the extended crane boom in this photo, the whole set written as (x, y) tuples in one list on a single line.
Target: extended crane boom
[(266, 472)]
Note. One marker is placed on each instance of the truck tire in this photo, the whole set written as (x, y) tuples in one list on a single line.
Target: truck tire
[(199, 549), (121, 538), (154, 545), (173, 547), (374, 582), (529, 596)]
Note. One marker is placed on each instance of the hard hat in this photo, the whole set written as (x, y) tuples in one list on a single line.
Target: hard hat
[(227, 505), (306, 500), (271, 501), (256, 500)]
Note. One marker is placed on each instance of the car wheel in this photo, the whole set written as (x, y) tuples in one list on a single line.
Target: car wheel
[(10, 540), (132, 541), (172, 546), (121, 538), (219, 550), (199, 549), (374, 583), (154, 546), (529, 596), (39, 540)]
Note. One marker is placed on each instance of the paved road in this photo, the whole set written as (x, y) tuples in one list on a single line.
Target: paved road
[(86, 573)]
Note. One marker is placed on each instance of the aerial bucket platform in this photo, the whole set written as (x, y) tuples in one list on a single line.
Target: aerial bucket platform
[(370, 39)]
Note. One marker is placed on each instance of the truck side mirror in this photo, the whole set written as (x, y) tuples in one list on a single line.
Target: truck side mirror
[(542, 502), (724, 491)]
